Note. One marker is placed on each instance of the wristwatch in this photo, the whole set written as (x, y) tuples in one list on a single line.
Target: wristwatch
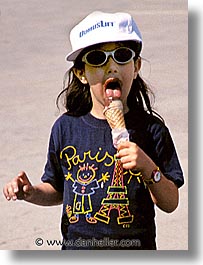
[(155, 177)]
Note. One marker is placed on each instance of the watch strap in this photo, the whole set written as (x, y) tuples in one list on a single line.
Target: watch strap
[(152, 180)]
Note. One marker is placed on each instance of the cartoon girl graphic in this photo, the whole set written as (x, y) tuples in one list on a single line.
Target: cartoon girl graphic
[(84, 187)]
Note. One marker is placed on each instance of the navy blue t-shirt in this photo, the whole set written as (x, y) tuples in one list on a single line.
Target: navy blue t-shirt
[(105, 207)]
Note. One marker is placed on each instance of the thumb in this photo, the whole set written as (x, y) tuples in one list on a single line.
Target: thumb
[(25, 185), (22, 177)]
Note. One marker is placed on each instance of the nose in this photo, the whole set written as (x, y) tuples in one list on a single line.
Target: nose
[(111, 66)]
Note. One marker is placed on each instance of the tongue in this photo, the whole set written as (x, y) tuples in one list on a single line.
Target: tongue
[(113, 93)]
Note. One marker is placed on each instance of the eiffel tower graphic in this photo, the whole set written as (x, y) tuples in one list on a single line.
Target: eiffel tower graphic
[(116, 199)]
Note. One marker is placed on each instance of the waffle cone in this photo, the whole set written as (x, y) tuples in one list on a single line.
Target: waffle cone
[(115, 117)]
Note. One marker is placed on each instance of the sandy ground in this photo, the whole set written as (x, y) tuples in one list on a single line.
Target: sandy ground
[(33, 44)]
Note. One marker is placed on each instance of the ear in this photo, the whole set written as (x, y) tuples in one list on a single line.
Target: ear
[(137, 65), (80, 75)]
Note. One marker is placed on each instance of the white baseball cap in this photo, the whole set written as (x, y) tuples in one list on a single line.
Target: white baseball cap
[(99, 27)]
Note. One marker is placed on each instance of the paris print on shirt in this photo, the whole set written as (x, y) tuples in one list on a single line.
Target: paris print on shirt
[(86, 183)]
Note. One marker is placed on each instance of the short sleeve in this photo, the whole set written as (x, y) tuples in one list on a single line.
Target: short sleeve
[(167, 157), (53, 173)]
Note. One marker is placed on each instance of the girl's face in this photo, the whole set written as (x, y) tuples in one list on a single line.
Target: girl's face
[(99, 76)]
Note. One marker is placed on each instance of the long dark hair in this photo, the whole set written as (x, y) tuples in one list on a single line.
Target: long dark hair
[(77, 97)]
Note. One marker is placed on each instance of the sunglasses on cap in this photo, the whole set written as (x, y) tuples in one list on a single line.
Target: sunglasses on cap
[(121, 55)]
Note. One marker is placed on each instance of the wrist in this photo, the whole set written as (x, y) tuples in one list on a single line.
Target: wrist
[(155, 176), (30, 194)]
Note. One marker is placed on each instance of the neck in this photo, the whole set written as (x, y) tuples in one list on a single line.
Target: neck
[(97, 114), (97, 110)]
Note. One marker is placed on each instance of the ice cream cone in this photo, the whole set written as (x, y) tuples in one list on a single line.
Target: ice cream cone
[(115, 118), (114, 115)]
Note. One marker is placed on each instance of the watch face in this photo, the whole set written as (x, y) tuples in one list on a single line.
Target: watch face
[(157, 176)]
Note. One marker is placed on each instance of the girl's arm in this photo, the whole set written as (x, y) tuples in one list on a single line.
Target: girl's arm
[(42, 194), (164, 193)]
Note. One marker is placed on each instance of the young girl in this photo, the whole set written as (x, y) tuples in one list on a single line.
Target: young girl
[(108, 193)]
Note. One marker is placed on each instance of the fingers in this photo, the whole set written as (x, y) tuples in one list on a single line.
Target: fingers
[(128, 161), (11, 189), (133, 157), (17, 187), (128, 154), (127, 149), (124, 144)]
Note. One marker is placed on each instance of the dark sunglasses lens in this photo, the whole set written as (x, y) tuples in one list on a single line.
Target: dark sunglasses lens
[(123, 55), (96, 57)]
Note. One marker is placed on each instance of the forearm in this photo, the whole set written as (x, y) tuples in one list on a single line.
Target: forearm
[(45, 195), (164, 193)]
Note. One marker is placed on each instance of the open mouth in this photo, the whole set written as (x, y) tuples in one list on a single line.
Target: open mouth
[(113, 88)]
